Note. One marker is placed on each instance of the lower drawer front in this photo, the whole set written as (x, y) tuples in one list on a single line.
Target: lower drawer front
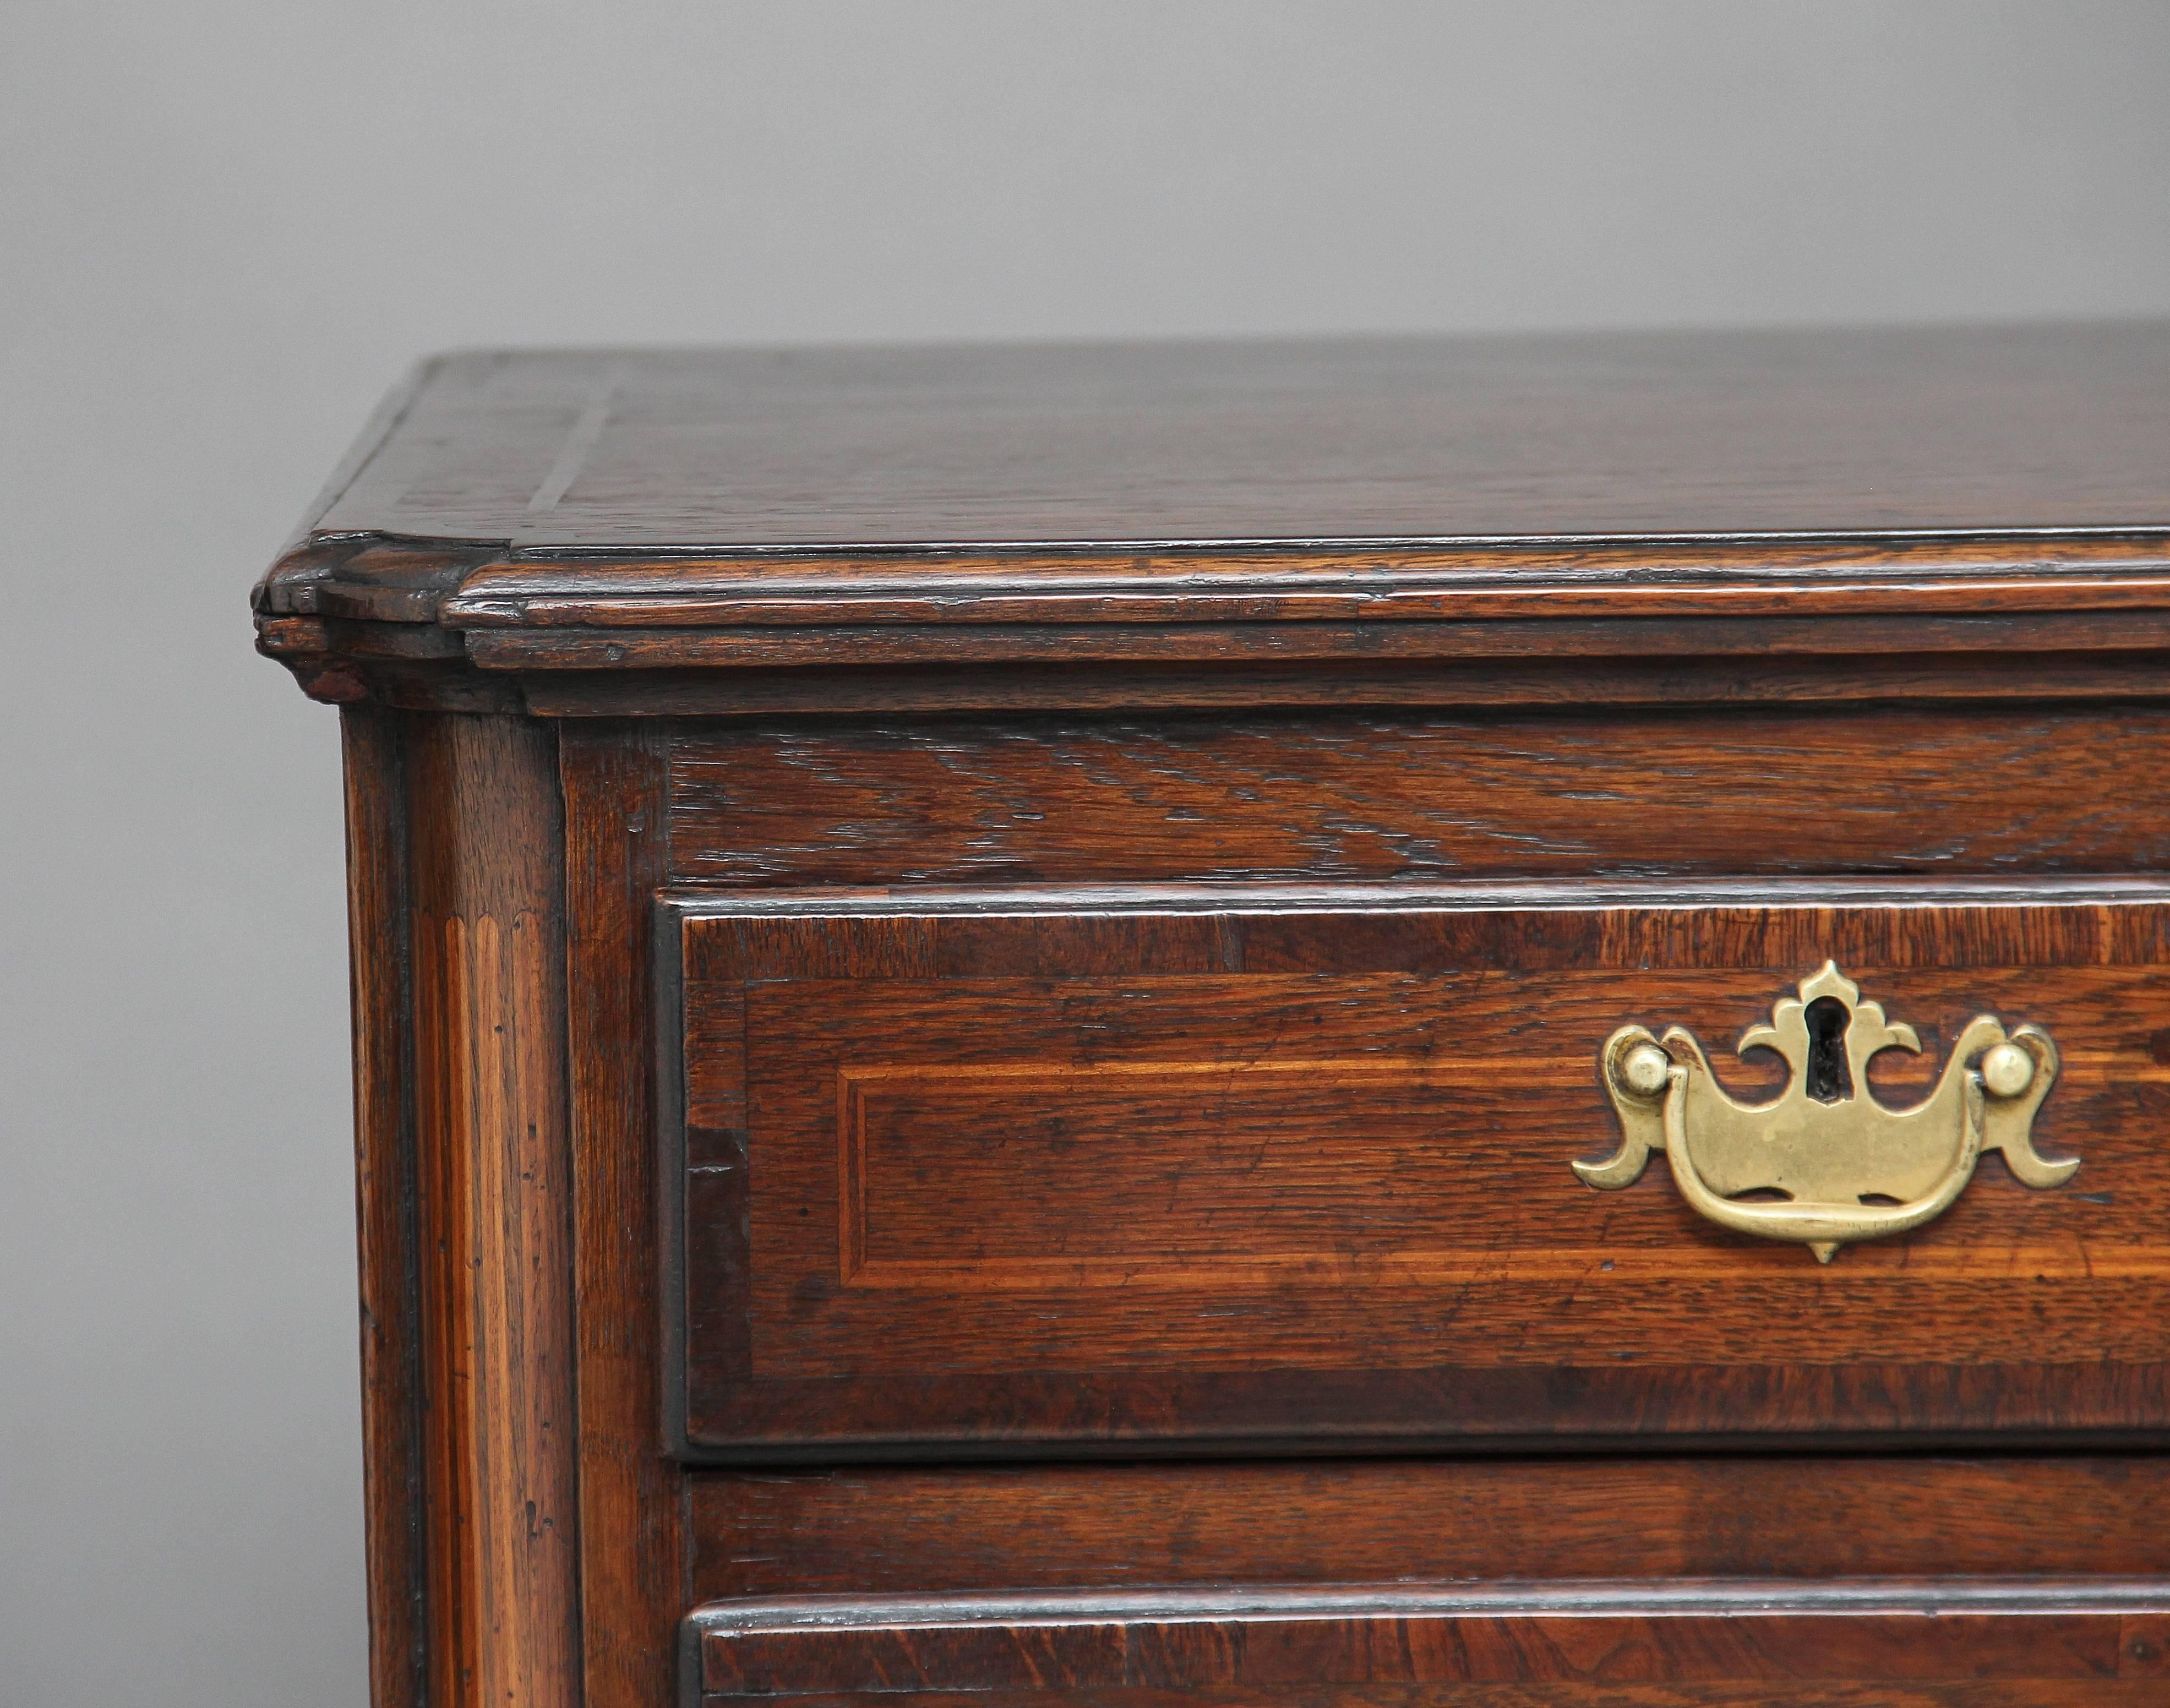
[(1635, 1583), (1138, 1170), (1967, 1645)]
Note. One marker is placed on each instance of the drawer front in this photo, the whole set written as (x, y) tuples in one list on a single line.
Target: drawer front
[(1734, 1645), (1129, 1170), (1713, 1579)]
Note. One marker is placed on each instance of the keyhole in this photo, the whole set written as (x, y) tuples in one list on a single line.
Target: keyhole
[(1830, 1081)]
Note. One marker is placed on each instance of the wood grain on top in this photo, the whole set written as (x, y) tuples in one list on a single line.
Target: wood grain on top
[(1282, 441)]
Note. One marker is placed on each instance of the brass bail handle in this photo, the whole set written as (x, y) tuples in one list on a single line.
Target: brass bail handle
[(1824, 1163)]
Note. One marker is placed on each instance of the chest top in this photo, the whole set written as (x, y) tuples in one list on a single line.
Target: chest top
[(787, 503)]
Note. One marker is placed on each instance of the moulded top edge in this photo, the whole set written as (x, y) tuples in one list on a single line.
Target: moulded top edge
[(1332, 445)]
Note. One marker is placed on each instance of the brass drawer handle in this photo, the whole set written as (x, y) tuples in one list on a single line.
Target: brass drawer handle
[(1846, 1168)]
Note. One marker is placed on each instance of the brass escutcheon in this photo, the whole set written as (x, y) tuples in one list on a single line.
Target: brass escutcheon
[(1848, 1167)]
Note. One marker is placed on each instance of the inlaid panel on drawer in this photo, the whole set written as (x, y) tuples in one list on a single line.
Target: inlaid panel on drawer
[(1132, 1169)]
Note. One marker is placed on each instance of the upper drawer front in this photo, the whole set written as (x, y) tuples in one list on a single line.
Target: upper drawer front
[(1294, 1168)]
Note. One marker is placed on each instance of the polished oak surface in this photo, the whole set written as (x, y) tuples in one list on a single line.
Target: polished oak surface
[(977, 974), (515, 516), (1553, 437)]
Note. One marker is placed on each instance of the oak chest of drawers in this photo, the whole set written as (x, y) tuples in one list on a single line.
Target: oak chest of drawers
[(1391, 1022)]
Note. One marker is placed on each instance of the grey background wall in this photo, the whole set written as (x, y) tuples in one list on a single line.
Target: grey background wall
[(224, 227)]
